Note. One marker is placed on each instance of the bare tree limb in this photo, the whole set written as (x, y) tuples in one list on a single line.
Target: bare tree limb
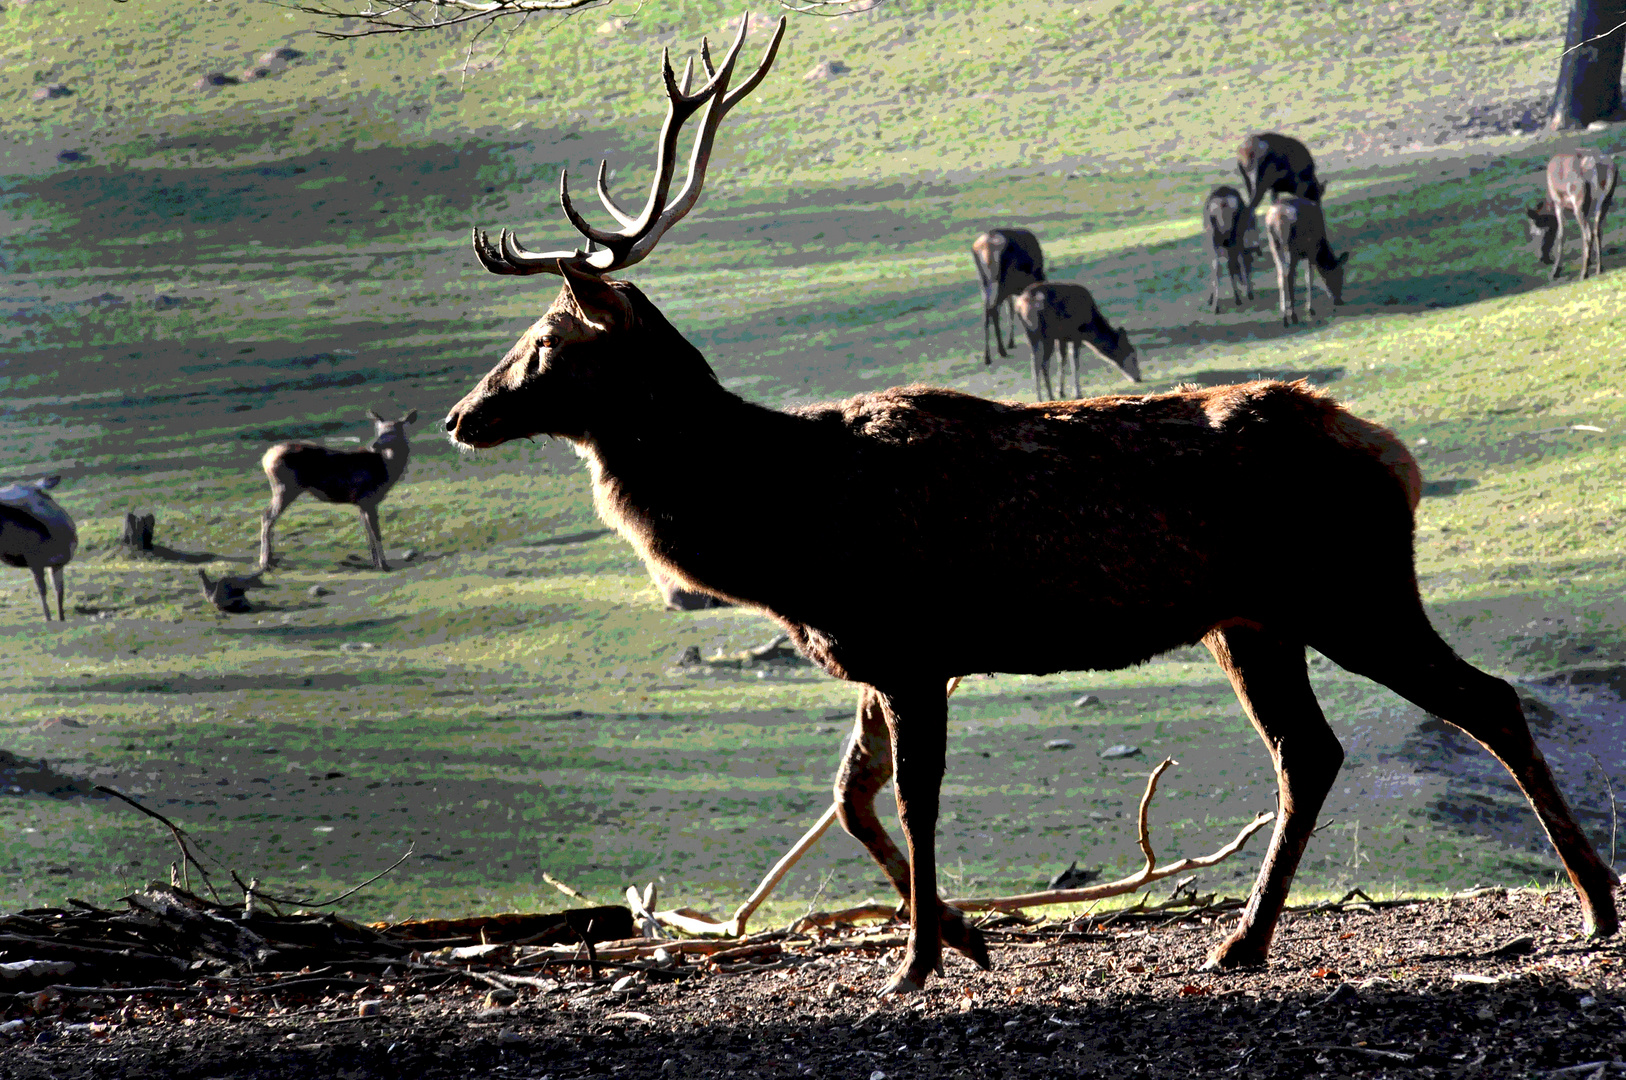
[(410, 16), (180, 840)]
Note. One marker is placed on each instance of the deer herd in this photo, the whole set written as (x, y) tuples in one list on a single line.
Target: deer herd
[(927, 525)]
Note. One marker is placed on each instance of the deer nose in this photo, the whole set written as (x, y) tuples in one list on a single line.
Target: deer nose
[(450, 422)]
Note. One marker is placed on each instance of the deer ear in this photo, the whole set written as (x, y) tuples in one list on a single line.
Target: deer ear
[(48, 483), (374, 416), (409, 417), (1344, 258), (598, 302)]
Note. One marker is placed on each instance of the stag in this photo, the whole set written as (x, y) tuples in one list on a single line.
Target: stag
[(1061, 315), (1272, 162), (1170, 497), (1008, 261), (1231, 235), (1582, 183), (1297, 229), (37, 533), (359, 477)]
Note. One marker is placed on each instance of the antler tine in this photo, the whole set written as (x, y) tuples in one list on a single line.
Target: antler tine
[(616, 212), (700, 158), (640, 234)]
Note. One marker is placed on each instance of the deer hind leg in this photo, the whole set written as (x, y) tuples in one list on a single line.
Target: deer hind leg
[(1010, 319), (1041, 366), (375, 539), (56, 582), (865, 769), (1407, 656), (917, 720), (1284, 284), (38, 571), (1558, 241), (1269, 677), (1309, 288), (1214, 286)]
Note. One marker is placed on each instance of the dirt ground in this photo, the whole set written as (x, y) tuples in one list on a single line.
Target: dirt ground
[(1493, 984)]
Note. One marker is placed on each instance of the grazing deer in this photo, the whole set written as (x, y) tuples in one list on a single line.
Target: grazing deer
[(1062, 314), (1008, 261), (37, 533), (359, 477), (1231, 234), (891, 563), (1297, 229), (1582, 183), (1272, 162)]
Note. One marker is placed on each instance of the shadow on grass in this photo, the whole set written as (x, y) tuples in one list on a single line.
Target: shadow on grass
[(160, 683)]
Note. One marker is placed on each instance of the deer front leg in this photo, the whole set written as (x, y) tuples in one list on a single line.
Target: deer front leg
[(268, 521), (375, 540), (39, 583), (1309, 288), (917, 720), (56, 580), (1214, 286), (1284, 285), (865, 769), (1271, 681)]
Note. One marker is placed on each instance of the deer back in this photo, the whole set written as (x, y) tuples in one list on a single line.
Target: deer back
[(1008, 260), (34, 527), (1273, 162), (337, 476)]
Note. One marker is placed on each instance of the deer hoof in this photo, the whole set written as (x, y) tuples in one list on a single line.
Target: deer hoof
[(901, 984), (1600, 921)]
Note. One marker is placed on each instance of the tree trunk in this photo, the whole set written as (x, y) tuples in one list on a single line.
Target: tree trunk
[(1589, 76)]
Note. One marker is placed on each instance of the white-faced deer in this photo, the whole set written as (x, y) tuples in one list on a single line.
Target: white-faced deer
[(1231, 236), (37, 533), (1583, 184), (1008, 261), (927, 523), (1297, 229), (1059, 315), (359, 477), (1279, 163)]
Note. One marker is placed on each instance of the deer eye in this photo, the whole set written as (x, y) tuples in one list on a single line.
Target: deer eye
[(549, 341)]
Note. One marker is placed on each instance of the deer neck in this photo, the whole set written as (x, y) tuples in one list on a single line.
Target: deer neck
[(395, 461)]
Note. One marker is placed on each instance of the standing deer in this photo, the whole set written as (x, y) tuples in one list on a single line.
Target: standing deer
[(359, 477), (1231, 235), (1062, 314), (37, 533), (892, 562), (1582, 183), (1297, 229), (1008, 261), (1272, 162)]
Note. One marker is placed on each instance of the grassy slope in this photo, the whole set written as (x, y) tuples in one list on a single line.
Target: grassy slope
[(267, 261)]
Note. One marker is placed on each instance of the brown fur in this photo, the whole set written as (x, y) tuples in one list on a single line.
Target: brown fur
[(928, 526), (1582, 184), (1297, 230), (1060, 316), (1270, 162), (1008, 261)]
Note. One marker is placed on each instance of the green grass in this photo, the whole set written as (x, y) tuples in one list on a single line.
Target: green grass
[(231, 268)]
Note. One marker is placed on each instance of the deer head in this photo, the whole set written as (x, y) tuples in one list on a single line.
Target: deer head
[(564, 376)]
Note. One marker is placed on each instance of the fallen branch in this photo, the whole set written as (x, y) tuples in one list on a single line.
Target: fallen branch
[(1147, 874), (251, 888), (180, 840)]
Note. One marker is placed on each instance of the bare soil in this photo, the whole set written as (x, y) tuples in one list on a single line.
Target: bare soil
[(1491, 984)]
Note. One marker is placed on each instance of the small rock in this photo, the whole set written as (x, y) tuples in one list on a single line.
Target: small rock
[(318, 590), (68, 157), (214, 80), (1518, 946), (1343, 994), (371, 1007), (52, 91), (409, 554), (611, 26), (824, 729), (497, 999), (1119, 750), (1060, 744), (11, 1027), (877, 1075), (670, 1065), (689, 657), (624, 983), (825, 70), (1421, 442), (1087, 699), (661, 956), (509, 1035), (1598, 125), (491, 1014)]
